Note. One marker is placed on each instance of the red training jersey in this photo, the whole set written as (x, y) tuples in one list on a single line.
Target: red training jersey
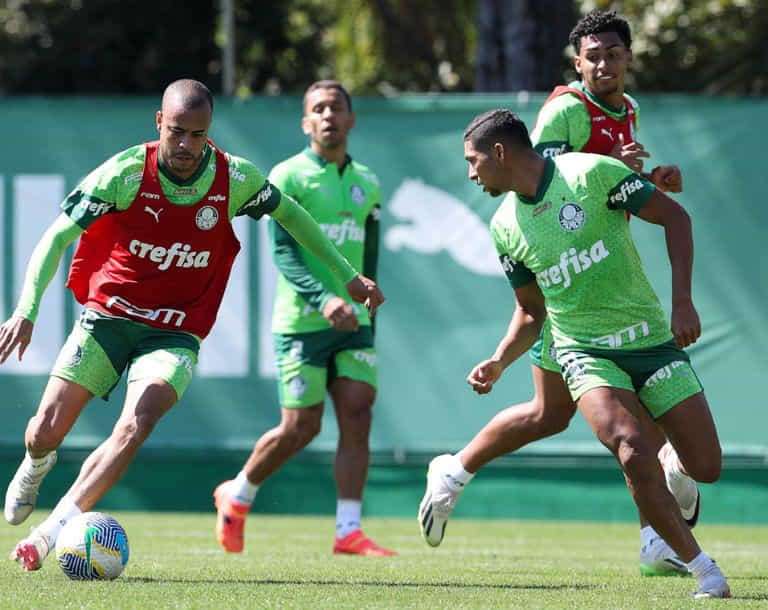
[(158, 263)]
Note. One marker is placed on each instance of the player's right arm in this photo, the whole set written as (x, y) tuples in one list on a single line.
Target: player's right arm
[(523, 329), (293, 267), (106, 189), (42, 267), (563, 125)]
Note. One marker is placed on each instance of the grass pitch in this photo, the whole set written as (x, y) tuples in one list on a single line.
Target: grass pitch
[(176, 563)]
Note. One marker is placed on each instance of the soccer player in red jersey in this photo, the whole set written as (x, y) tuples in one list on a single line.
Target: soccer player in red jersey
[(156, 248)]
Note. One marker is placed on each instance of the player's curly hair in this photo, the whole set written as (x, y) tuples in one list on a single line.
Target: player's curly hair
[(597, 22)]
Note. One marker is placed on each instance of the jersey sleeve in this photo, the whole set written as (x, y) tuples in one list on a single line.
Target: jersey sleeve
[(625, 190), (250, 193), (43, 264), (563, 125), (516, 271), (290, 263), (109, 188)]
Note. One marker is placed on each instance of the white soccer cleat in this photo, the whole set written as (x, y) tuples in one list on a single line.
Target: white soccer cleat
[(438, 501), (30, 552), (683, 488), (21, 496), (713, 585), (658, 559)]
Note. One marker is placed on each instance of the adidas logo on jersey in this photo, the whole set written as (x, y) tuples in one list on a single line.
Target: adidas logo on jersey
[(181, 254), (572, 263)]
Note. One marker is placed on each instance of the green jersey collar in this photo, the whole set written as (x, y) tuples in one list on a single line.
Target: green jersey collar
[(615, 111), (546, 179), (194, 177), (322, 162)]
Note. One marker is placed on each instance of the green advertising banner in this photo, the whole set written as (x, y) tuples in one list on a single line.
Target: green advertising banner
[(448, 302)]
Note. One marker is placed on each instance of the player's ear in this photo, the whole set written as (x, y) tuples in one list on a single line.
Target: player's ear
[(306, 126), (159, 119), (577, 64)]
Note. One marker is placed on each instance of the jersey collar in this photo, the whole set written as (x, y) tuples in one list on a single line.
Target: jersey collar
[(322, 162), (194, 177), (621, 111), (546, 179)]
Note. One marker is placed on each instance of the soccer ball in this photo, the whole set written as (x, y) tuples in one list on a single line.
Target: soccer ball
[(92, 546)]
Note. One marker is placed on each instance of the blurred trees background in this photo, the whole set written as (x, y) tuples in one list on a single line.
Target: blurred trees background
[(374, 46)]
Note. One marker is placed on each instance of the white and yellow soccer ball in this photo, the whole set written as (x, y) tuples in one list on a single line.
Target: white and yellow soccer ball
[(92, 546)]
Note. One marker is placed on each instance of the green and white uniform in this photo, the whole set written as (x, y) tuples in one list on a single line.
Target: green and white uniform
[(345, 203), (573, 239), (100, 346), (565, 125)]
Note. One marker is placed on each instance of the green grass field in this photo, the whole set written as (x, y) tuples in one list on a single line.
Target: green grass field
[(175, 563)]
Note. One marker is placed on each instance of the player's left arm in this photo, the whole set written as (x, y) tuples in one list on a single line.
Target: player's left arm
[(267, 199), (628, 191), (661, 209), (371, 248)]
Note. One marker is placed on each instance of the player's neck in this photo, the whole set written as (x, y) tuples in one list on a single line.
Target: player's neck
[(336, 155), (527, 174), (611, 100)]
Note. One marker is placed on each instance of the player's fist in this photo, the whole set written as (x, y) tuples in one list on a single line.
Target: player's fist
[(340, 314), (365, 290), (686, 326), (667, 178), (16, 331), (484, 375), (631, 154)]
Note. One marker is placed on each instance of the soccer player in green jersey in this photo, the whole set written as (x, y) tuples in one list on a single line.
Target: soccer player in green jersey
[(594, 115), (563, 238), (156, 247), (323, 340)]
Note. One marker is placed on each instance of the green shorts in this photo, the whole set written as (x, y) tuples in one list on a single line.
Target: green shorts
[(542, 352), (308, 362), (100, 347), (661, 376)]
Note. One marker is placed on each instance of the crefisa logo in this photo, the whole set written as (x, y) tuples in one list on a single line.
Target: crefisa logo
[(206, 218)]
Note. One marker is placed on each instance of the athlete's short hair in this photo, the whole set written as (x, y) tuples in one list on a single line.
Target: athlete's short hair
[(328, 84), (597, 22), (500, 125), (192, 93)]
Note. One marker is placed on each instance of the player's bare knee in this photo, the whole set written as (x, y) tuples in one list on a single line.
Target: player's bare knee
[(299, 432), (41, 436), (134, 431), (550, 418), (637, 460)]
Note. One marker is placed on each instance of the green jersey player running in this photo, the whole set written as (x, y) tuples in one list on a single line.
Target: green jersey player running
[(323, 339), (591, 115), (563, 237), (156, 248)]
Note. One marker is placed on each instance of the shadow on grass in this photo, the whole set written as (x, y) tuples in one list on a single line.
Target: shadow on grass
[(358, 583)]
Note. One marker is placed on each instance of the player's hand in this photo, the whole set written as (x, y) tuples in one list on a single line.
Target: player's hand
[(365, 290), (15, 332), (340, 314), (484, 375), (667, 178), (686, 326), (631, 154)]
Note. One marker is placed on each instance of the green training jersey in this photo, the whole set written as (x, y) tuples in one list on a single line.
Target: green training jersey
[(113, 186), (564, 124), (573, 239), (340, 202)]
